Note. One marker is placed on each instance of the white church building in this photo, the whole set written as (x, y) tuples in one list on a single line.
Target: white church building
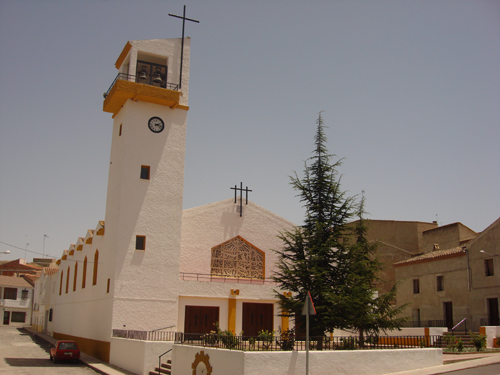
[(151, 266)]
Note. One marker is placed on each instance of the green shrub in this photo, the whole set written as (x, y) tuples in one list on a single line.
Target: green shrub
[(478, 340), (266, 337), (286, 339)]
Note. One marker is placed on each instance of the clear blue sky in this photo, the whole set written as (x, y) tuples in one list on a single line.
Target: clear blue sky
[(410, 92)]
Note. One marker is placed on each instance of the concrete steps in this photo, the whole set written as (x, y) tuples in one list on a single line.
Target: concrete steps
[(465, 337), (165, 368)]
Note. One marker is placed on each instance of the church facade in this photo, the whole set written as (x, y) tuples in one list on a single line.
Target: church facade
[(151, 266)]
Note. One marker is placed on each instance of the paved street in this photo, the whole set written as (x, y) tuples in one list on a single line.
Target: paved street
[(23, 354), (483, 370)]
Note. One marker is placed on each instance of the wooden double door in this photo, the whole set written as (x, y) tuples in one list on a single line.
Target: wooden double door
[(200, 319), (257, 317)]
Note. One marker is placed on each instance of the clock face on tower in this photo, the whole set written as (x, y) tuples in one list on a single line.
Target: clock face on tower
[(156, 124)]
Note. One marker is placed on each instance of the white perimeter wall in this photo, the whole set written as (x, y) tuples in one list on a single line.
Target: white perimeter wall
[(138, 356), (362, 362)]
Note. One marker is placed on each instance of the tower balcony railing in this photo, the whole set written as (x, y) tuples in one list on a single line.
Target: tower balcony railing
[(150, 81)]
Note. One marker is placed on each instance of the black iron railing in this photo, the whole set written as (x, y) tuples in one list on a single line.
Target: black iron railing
[(490, 322), (150, 81), (224, 279), (424, 323), (148, 335), (276, 343)]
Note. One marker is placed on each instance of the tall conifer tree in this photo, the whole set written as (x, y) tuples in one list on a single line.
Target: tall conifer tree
[(333, 261), (368, 312), (314, 255)]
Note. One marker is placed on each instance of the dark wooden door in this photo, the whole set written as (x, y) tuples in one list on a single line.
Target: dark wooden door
[(201, 319), (494, 319), (6, 317), (257, 317), (448, 314)]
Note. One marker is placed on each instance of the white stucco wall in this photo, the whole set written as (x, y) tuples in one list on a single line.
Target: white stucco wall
[(138, 357), (362, 362), (210, 225)]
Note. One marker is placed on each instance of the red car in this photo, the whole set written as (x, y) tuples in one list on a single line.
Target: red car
[(65, 350)]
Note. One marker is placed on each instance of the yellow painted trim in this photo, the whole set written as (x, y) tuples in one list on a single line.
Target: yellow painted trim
[(123, 55), (125, 90), (285, 323), (231, 315)]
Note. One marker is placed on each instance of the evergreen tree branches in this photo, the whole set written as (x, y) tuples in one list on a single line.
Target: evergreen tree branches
[(331, 260)]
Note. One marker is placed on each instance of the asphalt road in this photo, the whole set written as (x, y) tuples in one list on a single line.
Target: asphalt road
[(483, 370), (25, 354)]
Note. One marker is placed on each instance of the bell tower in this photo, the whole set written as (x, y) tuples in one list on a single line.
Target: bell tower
[(145, 185)]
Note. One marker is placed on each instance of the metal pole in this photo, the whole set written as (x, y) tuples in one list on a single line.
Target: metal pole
[(182, 45), (307, 338)]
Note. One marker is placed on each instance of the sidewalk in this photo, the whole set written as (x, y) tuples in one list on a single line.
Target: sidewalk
[(456, 362), (94, 363), (451, 362)]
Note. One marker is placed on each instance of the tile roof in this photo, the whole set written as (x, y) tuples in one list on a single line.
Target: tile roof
[(49, 271), (433, 255), (14, 281)]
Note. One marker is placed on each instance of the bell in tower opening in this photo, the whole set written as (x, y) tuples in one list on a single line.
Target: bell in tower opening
[(151, 70)]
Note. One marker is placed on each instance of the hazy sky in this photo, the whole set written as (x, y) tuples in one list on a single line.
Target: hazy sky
[(410, 92)]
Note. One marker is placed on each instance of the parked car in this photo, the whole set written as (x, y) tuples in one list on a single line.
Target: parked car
[(65, 350)]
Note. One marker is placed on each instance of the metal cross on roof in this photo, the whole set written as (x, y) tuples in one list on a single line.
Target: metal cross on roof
[(236, 188), (182, 45)]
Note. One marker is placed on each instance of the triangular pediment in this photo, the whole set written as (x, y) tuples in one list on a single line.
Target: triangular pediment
[(238, 258)]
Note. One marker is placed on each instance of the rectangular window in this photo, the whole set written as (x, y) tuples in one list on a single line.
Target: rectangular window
[(109, 281), (145, 172), (140, 242), (120, 133), (18, 317), (50, 315), (10, 293), (416, 286), (488, 267), (24, 294), (440, 283)]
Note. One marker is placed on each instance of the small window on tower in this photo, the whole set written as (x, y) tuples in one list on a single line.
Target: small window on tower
[(120, 133), (488, 267), (140, 242), (440, 283), (145, 172), (416, 286)]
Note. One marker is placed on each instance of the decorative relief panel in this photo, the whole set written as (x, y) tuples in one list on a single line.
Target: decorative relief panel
[(237, 258)]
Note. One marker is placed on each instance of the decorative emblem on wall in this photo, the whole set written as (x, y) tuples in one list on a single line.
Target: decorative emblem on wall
[(201, 364)]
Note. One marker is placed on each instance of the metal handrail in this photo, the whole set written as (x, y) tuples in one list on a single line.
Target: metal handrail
[(159, 360), (159, 329), (462, 321), (149, 82)]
